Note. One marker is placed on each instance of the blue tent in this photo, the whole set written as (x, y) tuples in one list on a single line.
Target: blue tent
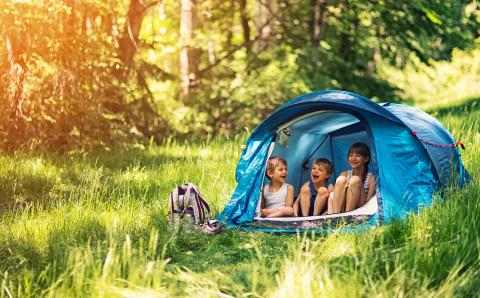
[(413, 156)]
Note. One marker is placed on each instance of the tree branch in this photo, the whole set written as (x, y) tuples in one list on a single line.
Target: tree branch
[(235, 49)]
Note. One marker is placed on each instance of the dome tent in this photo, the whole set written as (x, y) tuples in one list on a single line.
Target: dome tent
[(412, 157)]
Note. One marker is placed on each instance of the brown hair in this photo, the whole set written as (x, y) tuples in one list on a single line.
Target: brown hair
[(363, 150), (273, 162), (324, 162)]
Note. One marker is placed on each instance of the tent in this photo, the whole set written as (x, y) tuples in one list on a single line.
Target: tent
[(413, 156)]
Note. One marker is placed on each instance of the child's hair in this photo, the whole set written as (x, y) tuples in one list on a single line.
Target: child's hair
[(273, 162), (362, 149), (324, 162)]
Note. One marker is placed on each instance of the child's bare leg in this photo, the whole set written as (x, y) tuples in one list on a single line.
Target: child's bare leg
[(304, 201), (296, 207), (339, 198), (330, 203), (320, 201), (353, 194)]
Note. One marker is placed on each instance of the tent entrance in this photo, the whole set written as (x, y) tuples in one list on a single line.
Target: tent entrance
[(321, 134)]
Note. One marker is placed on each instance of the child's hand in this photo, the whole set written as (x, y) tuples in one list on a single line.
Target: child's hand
[(263, 213)]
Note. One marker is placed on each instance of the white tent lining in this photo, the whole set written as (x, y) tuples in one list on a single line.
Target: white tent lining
[(370, 208)]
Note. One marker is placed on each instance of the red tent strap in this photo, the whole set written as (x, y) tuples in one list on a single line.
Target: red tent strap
[(453, 145)]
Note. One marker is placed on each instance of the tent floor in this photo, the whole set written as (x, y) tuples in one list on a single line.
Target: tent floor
[(370, 208)]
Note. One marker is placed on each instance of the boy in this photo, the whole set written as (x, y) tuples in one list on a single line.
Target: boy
[(314, 194)]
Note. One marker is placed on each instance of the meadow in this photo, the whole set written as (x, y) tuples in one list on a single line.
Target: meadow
[(83, 225)]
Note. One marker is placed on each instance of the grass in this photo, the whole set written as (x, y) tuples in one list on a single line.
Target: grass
[(95, 225)]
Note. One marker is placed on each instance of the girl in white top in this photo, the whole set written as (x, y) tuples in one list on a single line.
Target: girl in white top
[(277, 196), (355, 187)]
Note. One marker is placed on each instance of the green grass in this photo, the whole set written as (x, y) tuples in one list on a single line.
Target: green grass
[(95, 225)]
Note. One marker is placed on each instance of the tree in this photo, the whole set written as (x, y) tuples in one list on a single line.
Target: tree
[(188, 61), (318, 24)]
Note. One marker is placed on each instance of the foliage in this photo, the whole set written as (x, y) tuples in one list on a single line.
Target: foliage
[(63, 84), (89, 74), (439, 82), (95, 225)]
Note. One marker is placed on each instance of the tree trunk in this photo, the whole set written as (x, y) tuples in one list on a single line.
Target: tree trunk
[(129, 40), (229, 20), (319, 9), (188, 65), (348, 41), (245, 26)]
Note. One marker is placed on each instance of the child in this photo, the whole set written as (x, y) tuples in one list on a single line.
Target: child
[(355, 187), (314, 194), (277, 196)]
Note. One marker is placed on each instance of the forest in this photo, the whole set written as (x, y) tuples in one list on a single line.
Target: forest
[(84, 75)]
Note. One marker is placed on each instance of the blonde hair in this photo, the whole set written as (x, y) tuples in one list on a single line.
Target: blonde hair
[(273, 162)]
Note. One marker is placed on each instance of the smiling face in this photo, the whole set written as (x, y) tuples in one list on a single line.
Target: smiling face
[(319, 173), (279, 173), (357, 160)]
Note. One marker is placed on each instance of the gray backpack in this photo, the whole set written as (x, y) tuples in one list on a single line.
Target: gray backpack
[(187, 207)]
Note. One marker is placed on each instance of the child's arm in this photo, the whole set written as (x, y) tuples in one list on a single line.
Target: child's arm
[(262, 199)]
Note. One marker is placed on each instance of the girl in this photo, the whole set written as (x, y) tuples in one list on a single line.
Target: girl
[(355, 187), (277, 196), (314, 194)]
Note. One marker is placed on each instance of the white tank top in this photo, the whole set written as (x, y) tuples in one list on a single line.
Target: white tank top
[(275, 199)]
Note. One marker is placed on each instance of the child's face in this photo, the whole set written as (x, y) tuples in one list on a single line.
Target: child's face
[(319, 173), (356, 160), (279, 173)]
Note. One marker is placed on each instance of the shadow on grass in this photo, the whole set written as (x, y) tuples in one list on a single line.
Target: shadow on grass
[(18, 190), (76, 234), (201, 252), (21, 188), (25, 254), (17, 254)]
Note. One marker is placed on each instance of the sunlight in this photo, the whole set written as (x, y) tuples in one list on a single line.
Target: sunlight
[(336, 246), (204, 153), (135, 174)]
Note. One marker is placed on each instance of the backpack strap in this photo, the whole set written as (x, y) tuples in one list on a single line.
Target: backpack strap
[(201, 204), (191, 197), (204, 207), (171, 203)]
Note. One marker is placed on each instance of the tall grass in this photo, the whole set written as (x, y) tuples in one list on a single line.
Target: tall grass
[(95, 225)]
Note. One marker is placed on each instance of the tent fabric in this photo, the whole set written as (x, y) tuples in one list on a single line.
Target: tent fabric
[(325, 124), (329, 99), (431, 131), (404, 174)]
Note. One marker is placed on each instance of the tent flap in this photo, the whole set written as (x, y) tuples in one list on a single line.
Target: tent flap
[(250, 173)]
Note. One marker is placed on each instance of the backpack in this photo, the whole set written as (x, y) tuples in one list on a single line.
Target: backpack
[(187, 206)]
